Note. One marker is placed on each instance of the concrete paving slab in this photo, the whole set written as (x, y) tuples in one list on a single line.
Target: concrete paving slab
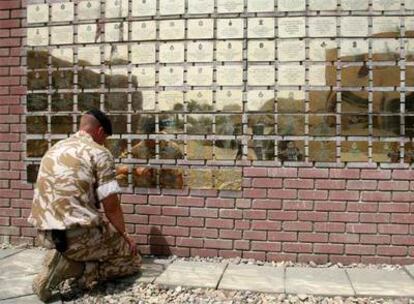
[(16, 286), (192, 274), (318, 281), (24, 263), (4, 253), (410, 269), (255, 278), (378, 282)]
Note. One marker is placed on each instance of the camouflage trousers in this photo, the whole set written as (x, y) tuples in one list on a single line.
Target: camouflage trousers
[(103, 253)]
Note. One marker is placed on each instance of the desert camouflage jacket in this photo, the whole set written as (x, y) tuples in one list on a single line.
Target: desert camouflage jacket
[(73, 175)]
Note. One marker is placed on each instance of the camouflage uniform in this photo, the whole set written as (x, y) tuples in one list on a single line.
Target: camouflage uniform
[(74, 175)]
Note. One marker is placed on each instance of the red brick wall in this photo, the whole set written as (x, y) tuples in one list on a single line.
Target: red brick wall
[(358, 214)]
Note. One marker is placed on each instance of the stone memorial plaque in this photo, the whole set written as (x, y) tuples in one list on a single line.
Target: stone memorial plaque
[(199, 100), (354, 76), (144, 76), (89, 10), (228, 179), (36, 102), (116, 54), (386, 152), (291, 50), (143, 124), (322, 5), (261, 50), (62, 11), (121, 175), (200, 179), (87, 101), (291, 125), (143, 101), (171, 178), (62, 102), (386, 102), (171, 76), (322, 75), (116, 101), (292, 150), (354, 50), (172, 29), (261, 75), (200, 6), (354, 102), (62, 79), (322, 26), (199, 124), (322, 151), (37, 59), (170, 101), (61, 34), (291, 75), (87, 33), (200, 51), (61, 124), (143, 30), (323, 50), (353, 5), (230, 50), (260, 100), (119, 123), (145, 177), (261, 150), (260, 6), (229, 75), (118, 31), (261, 28), (227, 150), (199, 149), (228, 124), (171, 52), (37, 13), (172, 7), (116, 8), (36, 124), (229, 100), (230, 6), (143, 149), (292, 27), (117, 147), (200, 28), (322, 125), (354, 26), (89, 55), (354, 125), (32, 171), (171, 149), (171, 123), (385, 49), (322, 101), (354, 151), (386, 5), (386, 76), (143, 53), (291, 101), (144, 8), (116, 78), (37, 80), (37, 36), (230, 28), (409, 26), (260, 124), (36, 147), (389, 125), (291, 5), (386, 26), (62, 57), (200, 75)]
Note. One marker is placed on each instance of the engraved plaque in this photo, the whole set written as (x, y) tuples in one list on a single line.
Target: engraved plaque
[(37, 36), (119, 123), (144, 76), (170, 101), (37, 80), (172, 52), (118, 31), (171, 178), (386, 152), (89, 78), (386, 102), (36, 147), (227, 150), (171, 149), (323, 50), (386, 26), (200, 28), (322, 75), (291, 5), (143, 30), (388, 125), (291, 125), (87, 101), (61, 34), (172, 7), (200, 51), (143, 124), (228, 179), (63, 11), (116, 54), (143, 149), (117, 147), (200, 179), (199, 149), (116, 78), (322, 101), (258, 6), (229, 28), (354, 102), (261, 150), (36, 124), (322, 5), (354, 151), (37, 13), (172, 29), (199, 100), (229, 100), (116, 8), (200, 6), (199, 124), (291, 75), (62, 57), (89, 55), (353, 5), (354, 76), (258, 124), (293, 150), (32, 171), (89, 10), (230, 50), (230, 6), (171, 123), (290, 101), (143, 53), (354, 125), (143, 101), (385, 49), (229, 75), (386, 76), (260, 100), (200, 75), (291, 27), (322, 26), (354, 50), (291, 50), (261, 50), (261, 28), (322, 125), (62, 102), (37, 59), (87, 33), (322, 151), (261, 75), (141, 8), (116, 101), (229, 124), (121, 175), (61, 124), (36, 102), (385, 5), (171, 76), (354, 26), (145, 177)]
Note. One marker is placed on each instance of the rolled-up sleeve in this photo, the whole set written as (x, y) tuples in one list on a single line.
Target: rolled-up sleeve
[(105, 176)]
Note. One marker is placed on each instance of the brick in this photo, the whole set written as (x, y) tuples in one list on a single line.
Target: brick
[(220, 223), (298, 183), (161, 240), (4, 14), (362, 207), (176, 211), (329, 248), (9, 4), (230, 234), (267, 204), (360, 249), (375, 260), (190, 222), (313, 173), (307, 237), (203, 252), (254, 214), (242, 203), (313, 216), (361, 185), (316, 258), (403, 240), (282, 193), (266, 225), (283, 215), (297, 226), (189, 242), (231, 213), (344, 173), (200, 212), (255, 172), (162, 220), (9, 230), (298, 205), (338, 195), (376, 196), (7, 42), (402, 196), (283, 172), (402, 218), (375, 239), (374, 218), (297, 247), (220, 203), (392, 250), (375, 174), (242, 244), (393, 229), (403, 174), (281, 257), (190, 201), (266, 246), (344, 238), (343, 217), (204, 233), (313, 195), (361, 228), (230, 254), (254, 193), (393, 185), (329, 227), (175, 231), (254, 235), (145, 209), (162, 200), (258, 255), (330, 184), (330, 206), (282, 236), (219, 244), (242, 224), (267, 182)]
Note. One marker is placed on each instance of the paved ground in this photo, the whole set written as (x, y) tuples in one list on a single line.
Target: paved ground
[(18, 267)]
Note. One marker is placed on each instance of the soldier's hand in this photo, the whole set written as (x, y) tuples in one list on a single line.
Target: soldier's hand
[(132, 244)]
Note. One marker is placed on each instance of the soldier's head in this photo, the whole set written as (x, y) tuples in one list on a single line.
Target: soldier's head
[(97, 124)]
